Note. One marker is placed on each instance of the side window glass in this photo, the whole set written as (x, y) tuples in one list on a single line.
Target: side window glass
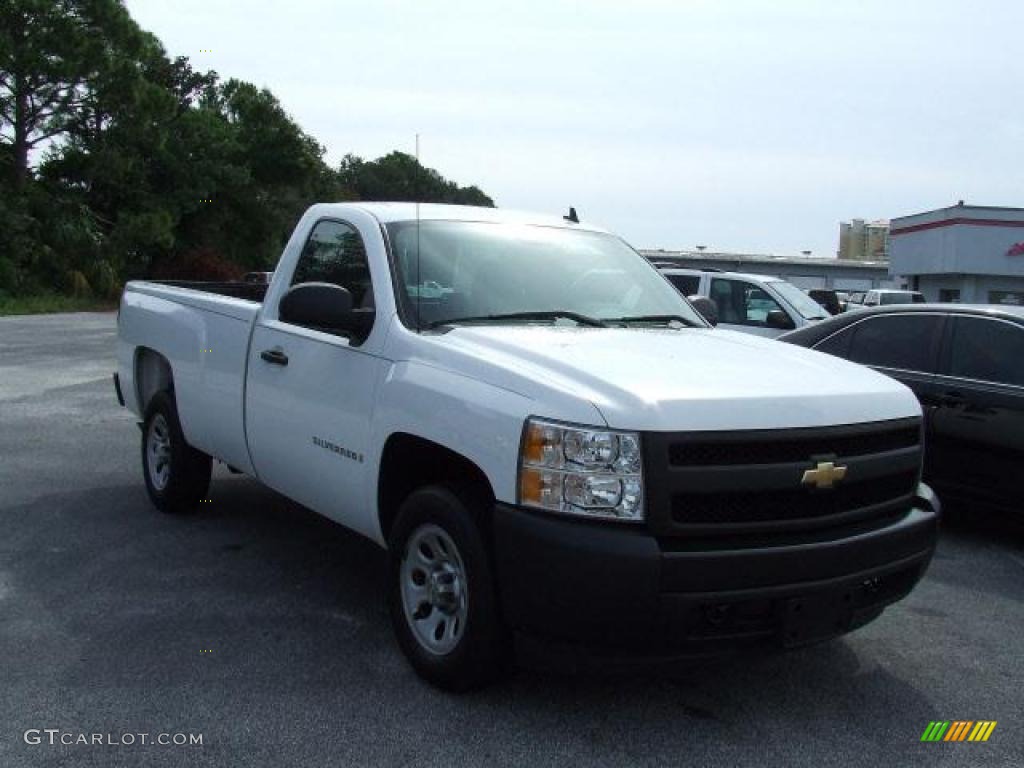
[(334, 253), (987, 350), (837, 344), (741, 303), (685, 284), (900, 341)]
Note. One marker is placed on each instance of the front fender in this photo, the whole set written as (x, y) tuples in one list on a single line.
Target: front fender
[(472, 418)]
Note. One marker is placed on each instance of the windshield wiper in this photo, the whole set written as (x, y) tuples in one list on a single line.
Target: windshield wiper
[(554, 314), (655, 319)]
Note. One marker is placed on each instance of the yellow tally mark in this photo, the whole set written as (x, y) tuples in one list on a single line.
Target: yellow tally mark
[(958, 730)]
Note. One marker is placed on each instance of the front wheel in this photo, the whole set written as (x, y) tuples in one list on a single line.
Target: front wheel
[(177, 475), (441, 594)]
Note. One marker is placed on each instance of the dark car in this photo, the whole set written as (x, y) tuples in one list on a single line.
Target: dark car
[(828, 298), (966, 366)]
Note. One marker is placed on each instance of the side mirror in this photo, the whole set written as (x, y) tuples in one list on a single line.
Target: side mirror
[(706, 307), (779, 319), (324, 307)]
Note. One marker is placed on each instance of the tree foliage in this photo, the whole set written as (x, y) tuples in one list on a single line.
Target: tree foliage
[(400, 178), (117, 161)]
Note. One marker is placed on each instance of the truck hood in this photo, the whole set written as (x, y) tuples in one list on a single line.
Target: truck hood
[(688, 379)]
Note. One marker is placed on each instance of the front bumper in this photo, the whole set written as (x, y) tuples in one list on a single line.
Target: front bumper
[(620, 588)]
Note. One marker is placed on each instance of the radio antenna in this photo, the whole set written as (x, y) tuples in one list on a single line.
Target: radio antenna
[(419, 281)]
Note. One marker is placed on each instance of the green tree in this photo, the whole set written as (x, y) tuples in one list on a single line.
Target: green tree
[(49, 52), (120, 161), (400, 177)]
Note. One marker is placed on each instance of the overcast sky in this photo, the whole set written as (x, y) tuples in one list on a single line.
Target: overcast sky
[(739, 125)]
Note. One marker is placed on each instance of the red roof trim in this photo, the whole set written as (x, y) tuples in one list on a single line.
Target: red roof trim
[(951, 222)]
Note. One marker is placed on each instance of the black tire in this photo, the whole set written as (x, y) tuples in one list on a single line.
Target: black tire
[(480, 653), (185, 473)]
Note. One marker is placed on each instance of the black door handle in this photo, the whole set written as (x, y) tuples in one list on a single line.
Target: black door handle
[(274, 356)]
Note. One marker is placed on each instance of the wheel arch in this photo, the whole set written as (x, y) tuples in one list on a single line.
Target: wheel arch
[(153, 373), (409, 462)]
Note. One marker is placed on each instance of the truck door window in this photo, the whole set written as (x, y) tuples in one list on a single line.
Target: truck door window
[(687, 285), (987, 350), (741, 303), (906, 342), (334, 253)]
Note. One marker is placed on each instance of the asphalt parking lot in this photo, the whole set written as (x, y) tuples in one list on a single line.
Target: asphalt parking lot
[(261, 626)]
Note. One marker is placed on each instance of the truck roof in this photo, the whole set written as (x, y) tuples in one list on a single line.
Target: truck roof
[(751, 276), (390, 212)]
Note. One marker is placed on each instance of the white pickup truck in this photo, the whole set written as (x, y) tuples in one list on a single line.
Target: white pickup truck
[(549, 440), (758, 304)]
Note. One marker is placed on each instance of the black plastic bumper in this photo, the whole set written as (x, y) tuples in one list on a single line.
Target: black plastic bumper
[(617, 587)]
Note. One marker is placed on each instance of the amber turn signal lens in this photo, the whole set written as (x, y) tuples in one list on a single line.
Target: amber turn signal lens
[(531, 484), (538, 437)]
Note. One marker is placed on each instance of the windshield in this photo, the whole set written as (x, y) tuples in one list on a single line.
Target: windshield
[(482, 270), (800, 301), (901, 297)]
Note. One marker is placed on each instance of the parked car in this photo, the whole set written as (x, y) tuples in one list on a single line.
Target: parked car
[(828, 299), (884, 296), (544, 435), (757, 304), (966, 366)]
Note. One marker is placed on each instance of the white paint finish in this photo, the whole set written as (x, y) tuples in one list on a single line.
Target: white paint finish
[(666, 380), (469, 389), (376, 255), (207, 385), (391, 212), (764, 282), (327, 391), (468, 416)]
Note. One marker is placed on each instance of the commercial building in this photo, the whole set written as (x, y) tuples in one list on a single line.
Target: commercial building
[(802, 272), (861, 240), (964, 253)]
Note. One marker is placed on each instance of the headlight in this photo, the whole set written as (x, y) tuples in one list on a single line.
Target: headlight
[(580, 471)]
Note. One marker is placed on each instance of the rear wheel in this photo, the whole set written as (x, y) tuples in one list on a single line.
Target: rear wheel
[(441, 594), (177, 475)]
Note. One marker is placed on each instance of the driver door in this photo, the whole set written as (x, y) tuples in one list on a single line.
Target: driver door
[(310, 394), (744, 306)]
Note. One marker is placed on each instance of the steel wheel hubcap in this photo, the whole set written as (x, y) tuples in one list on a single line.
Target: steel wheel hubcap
[(434, 590), (158, 452)]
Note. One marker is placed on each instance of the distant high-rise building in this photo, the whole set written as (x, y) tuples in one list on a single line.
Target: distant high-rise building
[(861, 240)]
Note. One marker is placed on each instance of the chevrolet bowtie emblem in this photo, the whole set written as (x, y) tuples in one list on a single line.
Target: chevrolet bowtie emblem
[(825, 475)]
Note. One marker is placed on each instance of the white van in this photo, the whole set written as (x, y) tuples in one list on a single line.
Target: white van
[(759, 304)]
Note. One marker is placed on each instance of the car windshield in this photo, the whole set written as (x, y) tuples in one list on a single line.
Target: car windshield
[(496, 272), (901, 297), (800, 301)]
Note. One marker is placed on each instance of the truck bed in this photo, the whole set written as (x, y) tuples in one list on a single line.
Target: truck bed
[(202, 330), (235, 289)]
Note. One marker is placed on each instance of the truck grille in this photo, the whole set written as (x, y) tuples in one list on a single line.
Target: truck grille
[(702, 451), (759, 506), (734, 483)]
